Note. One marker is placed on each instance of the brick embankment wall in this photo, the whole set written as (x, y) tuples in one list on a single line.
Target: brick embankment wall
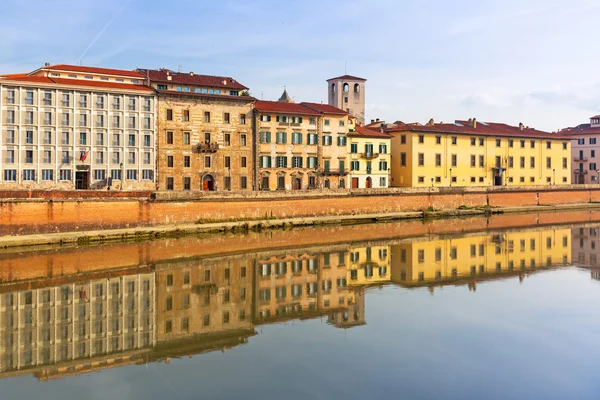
[(27, 216)]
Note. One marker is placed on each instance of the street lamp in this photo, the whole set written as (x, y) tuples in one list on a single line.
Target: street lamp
[(431, 182), (554, 175), (450, 177)]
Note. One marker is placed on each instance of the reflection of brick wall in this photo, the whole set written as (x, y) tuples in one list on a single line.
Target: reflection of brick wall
[(20, 217)]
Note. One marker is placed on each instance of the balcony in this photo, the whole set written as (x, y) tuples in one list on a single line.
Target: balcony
[(334, 172), (580, 171), (369, 155), (284, 124), (578, 158), (207, 147)]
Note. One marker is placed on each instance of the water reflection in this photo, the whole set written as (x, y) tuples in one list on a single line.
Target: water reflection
[(60, 318)]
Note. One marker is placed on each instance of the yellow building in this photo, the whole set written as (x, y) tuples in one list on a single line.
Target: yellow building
[(472, 153), (369, 265), (369, 152), (426, 262)]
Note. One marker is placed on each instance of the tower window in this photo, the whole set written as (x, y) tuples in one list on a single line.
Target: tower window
[(333, 88), (346, 88), (356, 88)]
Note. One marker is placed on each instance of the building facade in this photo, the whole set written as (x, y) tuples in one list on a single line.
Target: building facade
[(347, 93), (204, 135), (585, 145), (370, 158), (472, 153), (75, 127)]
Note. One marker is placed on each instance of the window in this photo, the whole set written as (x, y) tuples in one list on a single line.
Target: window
[(147, 174), (28, 157), (296, 162), (383, 165), (564, 162), (453, 140), (10, 174), (65, 175), (29, 98), (522, 162), (169, 114), (438, 140), (532, 162), (353, 148), (326, 122), (438, 160), (421, 159), (170, 162), (47, 174), (403, 159), (532, 144), (296, 138), (265, 137), (226, 118), (327, 140), (548, 162), (453, 159), (281, 161), (498, 142), (564, 145), (207, 116), (10, 136), (186, 115), (131, 140), (421, 139), (186, 161), (382, 148), (132, 174), (170, 183), (481, 141), (29, 174), (186, 138), (99, 174), (312, 162), (10, 157), (402, 139), (473, 161), (10, 117), (169, 137), (227, 139), (355, 165), (116, 121), (281, 137), (592, 140), (207, 162), (312, 138), (242, 140), (147, 141), (510, 162)]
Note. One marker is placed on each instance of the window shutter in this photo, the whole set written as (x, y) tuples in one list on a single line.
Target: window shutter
[(277, 118), (300, 120)]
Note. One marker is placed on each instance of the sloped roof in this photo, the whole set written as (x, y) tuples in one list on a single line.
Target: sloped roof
[(91, 70), (285, 97), (325, 108), (349, 77), (189, 78), (481, 129), (283, 108), (76, 82), (361, 131)]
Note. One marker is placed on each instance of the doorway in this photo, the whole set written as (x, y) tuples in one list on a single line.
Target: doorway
[(368, 183), (281, 182), (354, 183), (342, 184), (208, 183), (297, 184), (82, 180)]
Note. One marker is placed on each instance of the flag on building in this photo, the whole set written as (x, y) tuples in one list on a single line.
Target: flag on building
[(83, 155)]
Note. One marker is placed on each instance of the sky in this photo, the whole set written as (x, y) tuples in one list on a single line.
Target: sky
[(530, 61)]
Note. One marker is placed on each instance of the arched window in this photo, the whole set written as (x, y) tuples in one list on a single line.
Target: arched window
[(346, 88), (333, 88), (356, 88)]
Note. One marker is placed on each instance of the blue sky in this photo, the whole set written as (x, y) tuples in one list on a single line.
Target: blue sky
[(529, 61)]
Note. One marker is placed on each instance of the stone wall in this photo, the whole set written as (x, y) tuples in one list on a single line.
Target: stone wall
[(27, 216)]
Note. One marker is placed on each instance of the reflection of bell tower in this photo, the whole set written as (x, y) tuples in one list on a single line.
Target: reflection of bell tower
[(348, 93)]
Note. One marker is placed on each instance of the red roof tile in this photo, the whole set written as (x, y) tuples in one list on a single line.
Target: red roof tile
[(349, 77), (580, 131), (283, 108), (481, 129), (325, 108), (595, 116), (189, 79), (79, 82), (92, 70), (361, 131)]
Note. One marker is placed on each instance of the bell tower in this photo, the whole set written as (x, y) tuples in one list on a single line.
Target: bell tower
[(347, 92)]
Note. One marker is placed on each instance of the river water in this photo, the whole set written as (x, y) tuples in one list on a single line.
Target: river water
[(454, 309)]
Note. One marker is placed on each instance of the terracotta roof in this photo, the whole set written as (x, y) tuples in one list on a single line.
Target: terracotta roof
[(191, 79), (325, 108), (595, 116), (481, 129), (283, 108), (349, 77), (92, 70), (212, 96), (580, 131), (361, 131), (78, 82)]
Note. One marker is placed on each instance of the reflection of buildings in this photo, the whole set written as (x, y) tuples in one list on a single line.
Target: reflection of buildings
[(427, 262), (305, 284), (585, 248), (81, 322), (76, 326), (206, 296)]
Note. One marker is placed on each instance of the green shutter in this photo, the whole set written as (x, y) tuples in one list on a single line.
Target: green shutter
[(277, 118), (300, 119)]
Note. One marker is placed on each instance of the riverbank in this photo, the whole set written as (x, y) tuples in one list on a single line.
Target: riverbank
[(180, 230)]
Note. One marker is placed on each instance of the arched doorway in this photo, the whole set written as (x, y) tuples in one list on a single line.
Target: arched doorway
[(369, 183), (342, 184), (208, 183), (297, 184)]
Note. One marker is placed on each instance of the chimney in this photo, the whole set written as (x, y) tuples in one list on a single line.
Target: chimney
[(521, 126), (473, 122), (431, 122), (47, 64), (372, 121), (377, 120)]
